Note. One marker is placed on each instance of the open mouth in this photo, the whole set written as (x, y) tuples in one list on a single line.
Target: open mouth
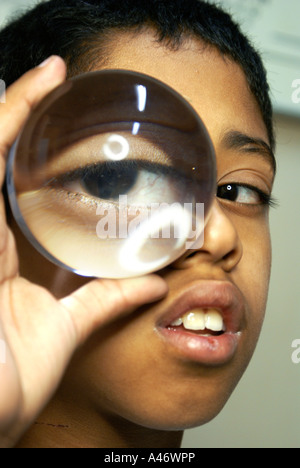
[(205, 323)]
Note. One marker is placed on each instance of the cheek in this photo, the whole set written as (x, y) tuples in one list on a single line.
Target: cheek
[(253, 273)]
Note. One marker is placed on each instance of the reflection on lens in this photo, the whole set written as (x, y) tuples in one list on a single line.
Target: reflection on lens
[(132, 255), (116, 148), (110, 175)]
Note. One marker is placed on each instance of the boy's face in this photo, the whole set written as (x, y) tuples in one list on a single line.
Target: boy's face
[(141, 368)]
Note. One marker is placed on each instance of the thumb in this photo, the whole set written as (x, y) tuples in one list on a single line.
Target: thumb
[(102, 301)]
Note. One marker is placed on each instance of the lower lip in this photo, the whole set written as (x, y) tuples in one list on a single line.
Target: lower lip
[(205, 350)]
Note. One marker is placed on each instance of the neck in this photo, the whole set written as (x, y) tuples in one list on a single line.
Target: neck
[(65, 425)]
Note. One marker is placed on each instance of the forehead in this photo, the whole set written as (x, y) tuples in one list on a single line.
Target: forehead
[(213, 84)]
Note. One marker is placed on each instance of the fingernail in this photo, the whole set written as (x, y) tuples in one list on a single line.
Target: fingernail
[(46, 62)]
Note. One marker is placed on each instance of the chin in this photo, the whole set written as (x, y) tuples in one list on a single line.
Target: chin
[(178, 421), (188, 410)]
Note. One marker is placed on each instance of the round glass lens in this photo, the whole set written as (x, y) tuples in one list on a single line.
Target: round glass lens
[(113, 175)]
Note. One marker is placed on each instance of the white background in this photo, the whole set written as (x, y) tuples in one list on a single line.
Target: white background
[(265, 409)]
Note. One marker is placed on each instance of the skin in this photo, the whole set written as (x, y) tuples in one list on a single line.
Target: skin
[(125, 387)]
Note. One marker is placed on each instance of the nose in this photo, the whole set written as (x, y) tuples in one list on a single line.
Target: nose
[(221, 246)]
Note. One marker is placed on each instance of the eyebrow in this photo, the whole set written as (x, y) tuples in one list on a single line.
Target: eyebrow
[(240, 141)]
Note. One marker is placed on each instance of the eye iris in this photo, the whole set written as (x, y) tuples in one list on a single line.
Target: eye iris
[(109, 182), (230, 192)]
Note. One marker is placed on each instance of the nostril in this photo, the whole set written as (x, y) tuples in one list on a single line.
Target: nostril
[(184, 261), (192, 254)]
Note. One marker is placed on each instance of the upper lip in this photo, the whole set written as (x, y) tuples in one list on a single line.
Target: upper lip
[(209, 294)]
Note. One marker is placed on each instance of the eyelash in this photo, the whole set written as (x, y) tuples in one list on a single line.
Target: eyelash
[(99, 169), (120, 174), (265, 198)]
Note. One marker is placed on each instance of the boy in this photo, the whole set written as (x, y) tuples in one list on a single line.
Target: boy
[(123, 374)]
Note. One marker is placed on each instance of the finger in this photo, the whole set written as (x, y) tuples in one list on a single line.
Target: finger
[(101, 301), (24, 95)]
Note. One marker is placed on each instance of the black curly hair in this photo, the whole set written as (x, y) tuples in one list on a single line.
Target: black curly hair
[(79, 31)]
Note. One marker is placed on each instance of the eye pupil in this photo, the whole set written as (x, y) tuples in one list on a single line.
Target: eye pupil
[(228, 192), (109, 182)]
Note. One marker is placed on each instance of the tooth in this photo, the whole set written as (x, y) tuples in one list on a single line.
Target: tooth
[(177, 322), (194, 321), (214, 321)]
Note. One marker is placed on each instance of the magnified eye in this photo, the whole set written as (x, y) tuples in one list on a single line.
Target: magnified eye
[(141, 181)]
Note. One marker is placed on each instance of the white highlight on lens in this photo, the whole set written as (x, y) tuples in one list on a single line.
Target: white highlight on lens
[(136, 128), (174, 215), (141, 92), (116, 148)]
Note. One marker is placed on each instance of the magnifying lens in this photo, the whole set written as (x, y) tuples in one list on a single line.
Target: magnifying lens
[(112, 176)]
